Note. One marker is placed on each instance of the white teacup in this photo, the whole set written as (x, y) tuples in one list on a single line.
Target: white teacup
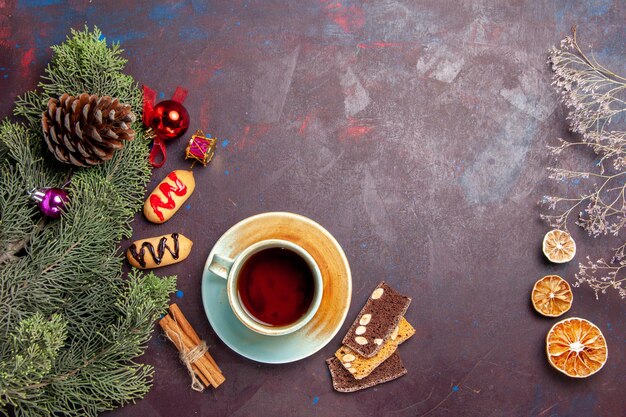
[(230, 269)]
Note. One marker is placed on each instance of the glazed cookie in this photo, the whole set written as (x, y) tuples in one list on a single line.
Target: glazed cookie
[(377, 320), (158, 251), (171, 193), (361, 367)]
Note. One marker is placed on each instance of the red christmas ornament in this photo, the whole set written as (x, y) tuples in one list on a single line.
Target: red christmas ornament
[(168, 120)]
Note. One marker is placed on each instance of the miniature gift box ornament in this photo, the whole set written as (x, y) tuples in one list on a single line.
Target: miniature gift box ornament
[(200, 147)]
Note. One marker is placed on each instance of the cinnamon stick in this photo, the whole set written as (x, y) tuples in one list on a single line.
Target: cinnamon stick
[(204, 365), (171, 334), (179, 317), (187, 345)]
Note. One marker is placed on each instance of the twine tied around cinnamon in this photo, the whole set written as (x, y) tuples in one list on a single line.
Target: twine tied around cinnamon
[(190, 356), (193, 351)]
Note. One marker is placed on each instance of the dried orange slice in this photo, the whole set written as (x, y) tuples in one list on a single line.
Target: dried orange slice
[(552, 296), (558, 246), (576, 347)]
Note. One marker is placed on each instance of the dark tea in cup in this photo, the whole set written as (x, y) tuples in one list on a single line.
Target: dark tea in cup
[(276, 286)]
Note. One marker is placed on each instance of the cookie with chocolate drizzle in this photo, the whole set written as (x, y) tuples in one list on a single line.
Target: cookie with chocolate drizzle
[(159, 251)]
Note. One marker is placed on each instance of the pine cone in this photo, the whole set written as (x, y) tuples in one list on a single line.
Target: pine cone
[(86, 130)]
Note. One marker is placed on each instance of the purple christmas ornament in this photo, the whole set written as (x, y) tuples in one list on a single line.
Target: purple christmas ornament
[(51, 201)]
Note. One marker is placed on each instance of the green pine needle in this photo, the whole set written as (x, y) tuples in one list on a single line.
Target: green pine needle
[(71, 327)]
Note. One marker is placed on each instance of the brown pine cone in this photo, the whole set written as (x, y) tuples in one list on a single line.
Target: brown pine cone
[(86, 130)]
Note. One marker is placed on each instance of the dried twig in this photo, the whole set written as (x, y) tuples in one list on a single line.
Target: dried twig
[(596, 101)]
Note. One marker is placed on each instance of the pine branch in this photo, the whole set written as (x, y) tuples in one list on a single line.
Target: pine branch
[(13, 248), (71, 326)]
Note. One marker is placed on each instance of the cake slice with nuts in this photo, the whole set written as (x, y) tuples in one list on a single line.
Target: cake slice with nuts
[(361, 367), (377, 320), (343, 381)]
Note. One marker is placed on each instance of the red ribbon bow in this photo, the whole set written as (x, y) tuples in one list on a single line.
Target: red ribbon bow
[(149, 99)]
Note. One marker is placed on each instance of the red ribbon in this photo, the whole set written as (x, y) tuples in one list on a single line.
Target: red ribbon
[(149, 99)]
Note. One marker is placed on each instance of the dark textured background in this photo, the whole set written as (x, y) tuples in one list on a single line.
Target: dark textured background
[(416, 133)]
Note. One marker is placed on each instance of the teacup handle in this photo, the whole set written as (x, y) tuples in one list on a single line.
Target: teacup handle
[(220, 266)]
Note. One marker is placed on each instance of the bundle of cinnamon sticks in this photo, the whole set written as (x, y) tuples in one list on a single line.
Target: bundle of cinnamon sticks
[(193, 350)]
